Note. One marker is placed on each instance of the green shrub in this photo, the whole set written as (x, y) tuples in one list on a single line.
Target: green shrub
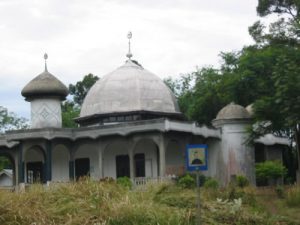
[(293, 197), (187, 181), (211, 184), (242, 181), (279, 191), (270, 170), (124, 182)]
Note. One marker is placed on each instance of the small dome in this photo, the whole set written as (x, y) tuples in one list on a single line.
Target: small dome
[(127, 89), (43, 85), (233, 111), (249, 109)]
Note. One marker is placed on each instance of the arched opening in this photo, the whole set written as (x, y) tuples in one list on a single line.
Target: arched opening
[(175, 158), (86, 161), (60, 163), (146, 158), (7, 171), (35, 170), (116, 159)]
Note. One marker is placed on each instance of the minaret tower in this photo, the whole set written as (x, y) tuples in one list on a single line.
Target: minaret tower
[(45, 93)]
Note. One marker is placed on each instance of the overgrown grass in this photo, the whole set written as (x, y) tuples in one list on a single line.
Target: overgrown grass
[(107, 203), (293, 196)]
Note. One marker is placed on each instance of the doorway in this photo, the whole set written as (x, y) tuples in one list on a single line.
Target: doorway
[(34, 172), (139, 160), (82, 167), (122, 166)]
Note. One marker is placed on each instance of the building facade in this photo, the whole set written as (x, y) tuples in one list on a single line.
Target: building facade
[(130, 125)]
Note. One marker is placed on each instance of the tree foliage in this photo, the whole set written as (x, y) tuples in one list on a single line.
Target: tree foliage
[(71, 108), (10, 121), (69, 111), (270, 170), (81, 88)]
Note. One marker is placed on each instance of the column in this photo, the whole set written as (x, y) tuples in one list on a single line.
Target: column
[(21, 164), (131, 162), (48, 161), (100, 159), (162, 156), (71, 162)]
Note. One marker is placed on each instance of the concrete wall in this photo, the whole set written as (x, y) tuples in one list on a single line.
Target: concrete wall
[(149, 148), (236, 158), (46, 113), (60, 164), (214, 152), (90, 150), (175, 158), (5, 181), (117, 147)]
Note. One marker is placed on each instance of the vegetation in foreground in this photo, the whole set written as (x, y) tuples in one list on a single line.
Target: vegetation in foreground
[(93, 202)]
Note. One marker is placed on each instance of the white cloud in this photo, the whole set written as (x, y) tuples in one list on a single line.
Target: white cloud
[(169, 37)]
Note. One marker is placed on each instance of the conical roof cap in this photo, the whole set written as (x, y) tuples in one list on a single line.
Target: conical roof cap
[(45, 85)]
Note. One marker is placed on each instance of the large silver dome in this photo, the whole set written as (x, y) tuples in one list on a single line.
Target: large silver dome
[(127, 89)]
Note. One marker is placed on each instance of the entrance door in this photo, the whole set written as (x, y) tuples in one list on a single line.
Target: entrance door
[(34, 172), (122, 166), (139, 160), (82, 167)]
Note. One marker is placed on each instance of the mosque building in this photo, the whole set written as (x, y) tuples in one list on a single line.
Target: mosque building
[(129, 125)]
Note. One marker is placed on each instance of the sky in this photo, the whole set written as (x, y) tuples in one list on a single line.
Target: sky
[(169, 38)]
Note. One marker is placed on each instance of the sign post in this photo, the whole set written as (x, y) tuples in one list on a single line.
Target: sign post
[(196, 160)]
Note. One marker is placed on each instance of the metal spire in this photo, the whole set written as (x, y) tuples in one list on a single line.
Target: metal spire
[(46, 57), (129, 54)]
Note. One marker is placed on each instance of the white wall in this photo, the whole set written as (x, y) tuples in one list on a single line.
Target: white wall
[(60, 163), (236, 157), (45, 113), (175, 158), (213, 162), (148, 147), (89, 151), (5, 181), (116, 147), (34, 155)]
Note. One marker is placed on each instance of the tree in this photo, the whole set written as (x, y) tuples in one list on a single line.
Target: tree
[(71, 108), (287, 27), (69, 111), (10, 121), (281, 107), (81, 88)]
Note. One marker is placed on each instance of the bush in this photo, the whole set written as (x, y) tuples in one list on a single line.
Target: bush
[(187, 181), (293, 197), (211, 184), (279, 191), (242, 181), (124, 182), (270, 170)]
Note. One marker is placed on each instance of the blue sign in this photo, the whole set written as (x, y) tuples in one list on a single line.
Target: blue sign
[(196, 157)]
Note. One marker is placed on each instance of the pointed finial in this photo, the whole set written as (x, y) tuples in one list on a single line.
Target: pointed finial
[(129, 54), (46, 57)]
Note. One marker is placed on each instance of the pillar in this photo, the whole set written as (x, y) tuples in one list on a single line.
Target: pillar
[(71, 162), (48, 161), (100, 159), (21, 164), (131, 162), (162, 156)]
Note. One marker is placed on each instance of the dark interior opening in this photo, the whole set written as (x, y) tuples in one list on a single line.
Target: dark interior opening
[(139, 160), (34, 172), (122, 166), (82, 167)]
